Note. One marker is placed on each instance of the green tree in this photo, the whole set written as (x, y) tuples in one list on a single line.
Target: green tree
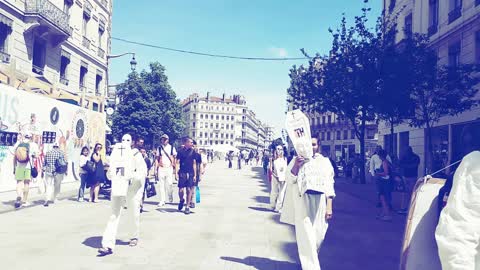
[(436, 90), (148, 106)]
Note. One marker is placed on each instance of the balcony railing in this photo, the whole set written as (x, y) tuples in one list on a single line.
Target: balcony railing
[(454, 14), (38, 70), (104, 3), (4, 57), (432, 29), (98, 93), (86, 42), (82, 88), (51, 13), (101, 53), (63, 80)]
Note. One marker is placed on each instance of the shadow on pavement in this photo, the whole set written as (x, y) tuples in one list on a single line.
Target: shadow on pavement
[(262, 199), (168, 210), (96, 242), (261, 209), (260, 263)]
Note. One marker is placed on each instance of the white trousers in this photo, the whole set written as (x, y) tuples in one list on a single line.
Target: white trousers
[(165, 185), (53, 184), (277, 194), (134, 199), (310, 235)]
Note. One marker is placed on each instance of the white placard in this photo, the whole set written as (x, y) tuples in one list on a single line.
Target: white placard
[(298, 129)]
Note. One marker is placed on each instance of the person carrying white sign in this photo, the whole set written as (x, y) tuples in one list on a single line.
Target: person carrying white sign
[(127, 172)]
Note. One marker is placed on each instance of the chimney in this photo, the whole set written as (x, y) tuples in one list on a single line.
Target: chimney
[(208, 96), (223, 97)]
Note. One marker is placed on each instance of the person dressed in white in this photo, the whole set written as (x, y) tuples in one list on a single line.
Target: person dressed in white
[(165, 170), (308, 204), (127, 172), (458, 230), (279, 169)]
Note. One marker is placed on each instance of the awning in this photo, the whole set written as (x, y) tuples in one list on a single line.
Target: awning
[(101, 22), (5, 20), (88, 9), (99, 73)]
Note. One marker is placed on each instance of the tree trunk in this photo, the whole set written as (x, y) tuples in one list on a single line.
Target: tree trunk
[(392, 141), (428, 163), (362, 151)]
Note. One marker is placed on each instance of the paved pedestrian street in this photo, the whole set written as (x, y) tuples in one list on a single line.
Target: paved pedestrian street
[(230, 229)]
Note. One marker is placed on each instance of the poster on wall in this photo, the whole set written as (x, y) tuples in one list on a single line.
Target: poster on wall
[(47, 121)]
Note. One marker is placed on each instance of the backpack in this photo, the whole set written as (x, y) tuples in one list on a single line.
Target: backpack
[(60, 165), (22, 154)]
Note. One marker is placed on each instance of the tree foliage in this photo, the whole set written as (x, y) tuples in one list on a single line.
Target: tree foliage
[(367, 76), (148, 106)]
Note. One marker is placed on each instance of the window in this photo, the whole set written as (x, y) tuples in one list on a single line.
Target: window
[(217, 117), (211, 125), (352, 134), (454, 54), (323, 120), (67, 4), (39, 51), (200, 135), (194, 116), (432, 17), (193, 124), (328, 136), (193, 134), (370, 134), (338, 135), (408, 28), (345, 134), (231, 136), (64, 61), (477, 46), (323, 136), (211, 116), (455, 10), (100, 37), (329, 119), (223, 117), (228, 118), (216, 125), (98, 85), (83, 75), (85, 20), (201, 116), (5, 31), (391, 7)]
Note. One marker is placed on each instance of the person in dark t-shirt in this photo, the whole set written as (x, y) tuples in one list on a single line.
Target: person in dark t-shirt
[(186, 173), (198, 166)]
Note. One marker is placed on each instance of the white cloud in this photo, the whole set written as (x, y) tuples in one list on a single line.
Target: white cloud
[(278, 52)]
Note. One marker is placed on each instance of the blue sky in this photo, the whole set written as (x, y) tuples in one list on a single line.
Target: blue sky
[(261, 28)]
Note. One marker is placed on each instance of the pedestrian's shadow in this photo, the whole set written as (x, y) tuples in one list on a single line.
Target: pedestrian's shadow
[(168, 210), (262, 199), (260, 263), (96, 242), (261, 209)]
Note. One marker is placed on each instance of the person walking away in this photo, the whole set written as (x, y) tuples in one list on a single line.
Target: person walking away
[(148, 163), (83, 173), (200, 168), (309, 207), (266, 162), (239, 160), (384, 186), (166, 157), (279, 169), (230, 157), (186, 174), (22, 164), (97, 177), (128, 171), (409, 165), (55, 168)]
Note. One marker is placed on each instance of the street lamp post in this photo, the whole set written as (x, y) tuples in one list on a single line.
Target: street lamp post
[(133, 66)]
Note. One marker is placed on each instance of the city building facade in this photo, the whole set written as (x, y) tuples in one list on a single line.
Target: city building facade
[(337, 137), (214, 121), (454, 30), (57, 48)]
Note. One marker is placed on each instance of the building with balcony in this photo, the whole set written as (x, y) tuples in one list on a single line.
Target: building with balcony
[(454, 31), (337, 137), (57, 48), (214, 120)]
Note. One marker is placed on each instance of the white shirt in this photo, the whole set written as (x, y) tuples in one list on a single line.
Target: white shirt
[(376, 163), (165, 162), (280, 168), (316, 174)]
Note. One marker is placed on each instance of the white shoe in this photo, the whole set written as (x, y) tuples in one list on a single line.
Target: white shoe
[(26, 204), (161, 204)]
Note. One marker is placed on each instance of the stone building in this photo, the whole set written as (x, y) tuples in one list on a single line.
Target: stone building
[(454, 30), (214, 120), (57, 48)]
